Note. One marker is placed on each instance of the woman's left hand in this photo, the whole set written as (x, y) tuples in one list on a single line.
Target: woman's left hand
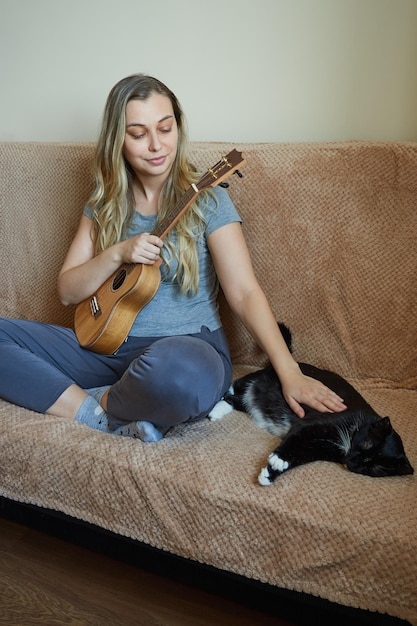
[(300, 389)]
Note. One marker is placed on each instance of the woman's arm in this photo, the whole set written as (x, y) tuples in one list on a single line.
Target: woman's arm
[(83, 272), (246, 298)]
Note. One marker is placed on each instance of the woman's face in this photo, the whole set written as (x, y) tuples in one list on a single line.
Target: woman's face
[(151, 138)]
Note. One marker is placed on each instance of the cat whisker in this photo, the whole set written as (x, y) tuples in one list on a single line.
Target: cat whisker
[(345, 439)]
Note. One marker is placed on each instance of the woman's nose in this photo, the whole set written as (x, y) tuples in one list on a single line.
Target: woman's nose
[(154, 142)]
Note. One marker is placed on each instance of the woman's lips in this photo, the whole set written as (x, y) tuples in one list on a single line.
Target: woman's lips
[(157, 161)]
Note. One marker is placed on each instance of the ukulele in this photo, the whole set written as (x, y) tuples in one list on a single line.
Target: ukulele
[(103, 320)]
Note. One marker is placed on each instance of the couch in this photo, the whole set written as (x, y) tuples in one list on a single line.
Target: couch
[(332, 230)]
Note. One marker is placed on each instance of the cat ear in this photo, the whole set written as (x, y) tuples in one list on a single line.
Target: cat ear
[(286, 333), (386, 422), (381, 427), (404, 467)]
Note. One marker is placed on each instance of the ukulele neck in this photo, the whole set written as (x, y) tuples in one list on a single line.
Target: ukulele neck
[(174, 214)]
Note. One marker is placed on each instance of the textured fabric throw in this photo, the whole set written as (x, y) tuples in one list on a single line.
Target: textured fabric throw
[(332, 231)]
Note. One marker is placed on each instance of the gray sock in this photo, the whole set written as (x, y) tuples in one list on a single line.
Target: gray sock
[(145, 431), (92, 414), (139, 430), (97, 392)]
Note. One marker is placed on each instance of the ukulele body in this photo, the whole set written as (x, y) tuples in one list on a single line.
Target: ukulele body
[(103, 321)]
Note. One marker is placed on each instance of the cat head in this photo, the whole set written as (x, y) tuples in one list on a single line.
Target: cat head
[(377, 450)]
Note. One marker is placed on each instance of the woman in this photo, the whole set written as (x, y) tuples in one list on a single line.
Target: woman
[(175, 364)]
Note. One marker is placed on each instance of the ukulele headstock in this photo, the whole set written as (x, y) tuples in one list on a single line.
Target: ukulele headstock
[(228, 165)]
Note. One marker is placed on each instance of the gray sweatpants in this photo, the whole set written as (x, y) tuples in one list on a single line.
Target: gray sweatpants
[(164, 380)]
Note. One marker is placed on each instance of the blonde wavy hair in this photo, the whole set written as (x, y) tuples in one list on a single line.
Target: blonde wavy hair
[(112, 200)]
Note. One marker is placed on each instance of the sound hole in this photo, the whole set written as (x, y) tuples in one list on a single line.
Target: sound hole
[(119, 279)]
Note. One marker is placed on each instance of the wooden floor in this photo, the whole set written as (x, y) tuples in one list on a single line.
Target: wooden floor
[(47, 581)]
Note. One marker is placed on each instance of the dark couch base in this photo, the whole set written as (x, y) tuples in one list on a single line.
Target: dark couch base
[(304, 609)]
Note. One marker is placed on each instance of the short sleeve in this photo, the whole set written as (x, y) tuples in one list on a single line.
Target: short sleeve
[(88, 212), (219, 210)]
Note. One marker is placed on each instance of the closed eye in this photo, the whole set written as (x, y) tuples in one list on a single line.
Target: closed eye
[(142, 135)]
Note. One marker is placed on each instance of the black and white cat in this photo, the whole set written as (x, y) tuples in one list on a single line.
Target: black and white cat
[(358, 437)]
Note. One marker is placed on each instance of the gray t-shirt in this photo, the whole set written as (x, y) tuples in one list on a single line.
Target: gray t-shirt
[(170, 312)]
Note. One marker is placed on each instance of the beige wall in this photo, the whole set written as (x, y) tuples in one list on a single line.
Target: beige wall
[(244, 70)]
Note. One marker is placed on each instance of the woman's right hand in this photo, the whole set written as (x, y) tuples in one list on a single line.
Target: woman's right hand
[(83, 271), (144, 248)]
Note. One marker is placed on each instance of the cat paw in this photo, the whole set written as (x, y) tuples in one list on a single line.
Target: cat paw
[(275, 467), (264, 477), (221, 409), (277, 464)]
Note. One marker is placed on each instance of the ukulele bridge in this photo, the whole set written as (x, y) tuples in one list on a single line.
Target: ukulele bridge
[(95, 307)]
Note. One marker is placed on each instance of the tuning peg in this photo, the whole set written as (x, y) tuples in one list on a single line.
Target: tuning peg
[(239, 173), (224, 185)]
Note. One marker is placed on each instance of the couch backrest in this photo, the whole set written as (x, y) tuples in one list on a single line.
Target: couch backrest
[(331, 228), (43, 188)]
